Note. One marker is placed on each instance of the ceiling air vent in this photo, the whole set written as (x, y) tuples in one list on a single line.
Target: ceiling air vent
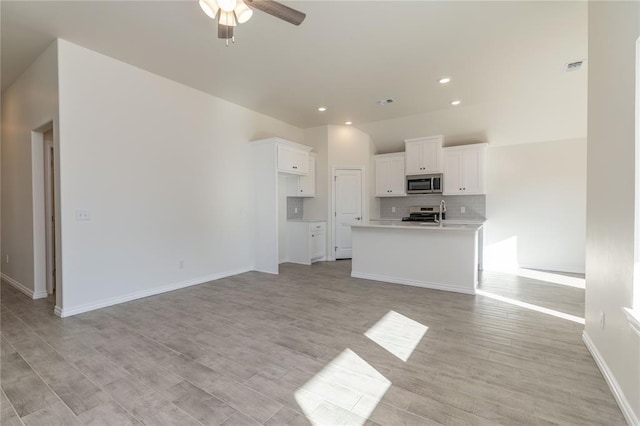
[(385, 101), (573, 66)]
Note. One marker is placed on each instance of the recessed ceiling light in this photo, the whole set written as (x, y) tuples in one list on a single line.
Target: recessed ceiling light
[(348, 123), (322, 109), (455, 103), (444, 80)]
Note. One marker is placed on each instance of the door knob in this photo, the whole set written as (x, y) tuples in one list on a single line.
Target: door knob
[(358, 218)]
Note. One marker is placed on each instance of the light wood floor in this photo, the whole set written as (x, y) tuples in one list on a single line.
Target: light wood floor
[(311, 345)]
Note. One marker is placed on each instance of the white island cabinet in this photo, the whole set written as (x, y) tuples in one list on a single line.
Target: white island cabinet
[(441, 258)]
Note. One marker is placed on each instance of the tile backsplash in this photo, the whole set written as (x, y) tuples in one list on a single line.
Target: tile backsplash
[(294, 203), (475, 206)]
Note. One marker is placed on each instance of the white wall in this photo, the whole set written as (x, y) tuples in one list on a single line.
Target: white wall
[(613, 30), (337, 146), (165, 172), (31, 102), (496, 123), (348, 147), (536, 206)]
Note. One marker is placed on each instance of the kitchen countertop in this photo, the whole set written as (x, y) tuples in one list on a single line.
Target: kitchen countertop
[(421, 226), (306, 220)]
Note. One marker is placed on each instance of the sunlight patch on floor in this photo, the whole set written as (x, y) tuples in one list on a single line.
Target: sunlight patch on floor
[(551, 277), (532, 307), (397, 334), (346, 388)]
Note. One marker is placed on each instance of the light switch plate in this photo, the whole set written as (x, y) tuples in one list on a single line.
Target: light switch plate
[(82, 215)]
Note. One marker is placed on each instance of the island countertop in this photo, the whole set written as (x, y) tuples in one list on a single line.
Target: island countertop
[(422, 226)]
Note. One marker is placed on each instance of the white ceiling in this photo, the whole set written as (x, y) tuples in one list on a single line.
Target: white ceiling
[(345, 56)]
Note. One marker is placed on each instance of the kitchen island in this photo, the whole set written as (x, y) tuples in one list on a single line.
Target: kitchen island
[(424, 255)]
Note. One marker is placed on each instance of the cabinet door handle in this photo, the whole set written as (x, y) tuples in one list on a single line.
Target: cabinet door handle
[(358, 218), (301, 190)]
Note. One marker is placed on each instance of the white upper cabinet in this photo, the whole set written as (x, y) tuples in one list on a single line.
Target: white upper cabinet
[(423, 155), (390, 176), (464, 169), (305, 185), (293, 160)]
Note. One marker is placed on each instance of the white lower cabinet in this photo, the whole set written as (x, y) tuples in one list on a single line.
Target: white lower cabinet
[(306, 241)]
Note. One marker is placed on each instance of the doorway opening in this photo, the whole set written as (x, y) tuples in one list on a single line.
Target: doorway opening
[(49, 210), (46, 221), (347, 208)]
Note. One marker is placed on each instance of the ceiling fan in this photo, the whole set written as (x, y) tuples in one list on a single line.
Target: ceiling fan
[(230, 13)]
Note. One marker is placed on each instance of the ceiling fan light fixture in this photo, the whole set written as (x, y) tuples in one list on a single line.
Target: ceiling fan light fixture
[(243, 12), (227, 18), (227, 5), (210, 7)]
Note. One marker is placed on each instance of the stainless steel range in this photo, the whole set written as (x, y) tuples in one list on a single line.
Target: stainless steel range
[(425, 214)]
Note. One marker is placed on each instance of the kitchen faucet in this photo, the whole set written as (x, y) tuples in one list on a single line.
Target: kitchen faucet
[(443, 209)]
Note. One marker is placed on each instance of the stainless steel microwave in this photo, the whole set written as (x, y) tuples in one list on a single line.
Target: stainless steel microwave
[(424, 184)]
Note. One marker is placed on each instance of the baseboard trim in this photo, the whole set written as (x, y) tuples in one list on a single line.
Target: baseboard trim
[(624, 405), (23, 289), (414, 283), (67, 312)]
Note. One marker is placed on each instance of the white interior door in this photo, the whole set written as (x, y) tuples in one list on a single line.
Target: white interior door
[(348, 204)]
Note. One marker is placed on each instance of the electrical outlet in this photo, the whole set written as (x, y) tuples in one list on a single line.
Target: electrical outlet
[(181, 264), (393, 209), (463, 209), (82, 215), (602, 323), (295, 210)]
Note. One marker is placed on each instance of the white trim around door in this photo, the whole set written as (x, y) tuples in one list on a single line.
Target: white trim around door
[(335, 171)]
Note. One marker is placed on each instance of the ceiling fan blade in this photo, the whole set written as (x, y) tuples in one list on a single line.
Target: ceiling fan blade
[(225, 31), (278, 10)]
